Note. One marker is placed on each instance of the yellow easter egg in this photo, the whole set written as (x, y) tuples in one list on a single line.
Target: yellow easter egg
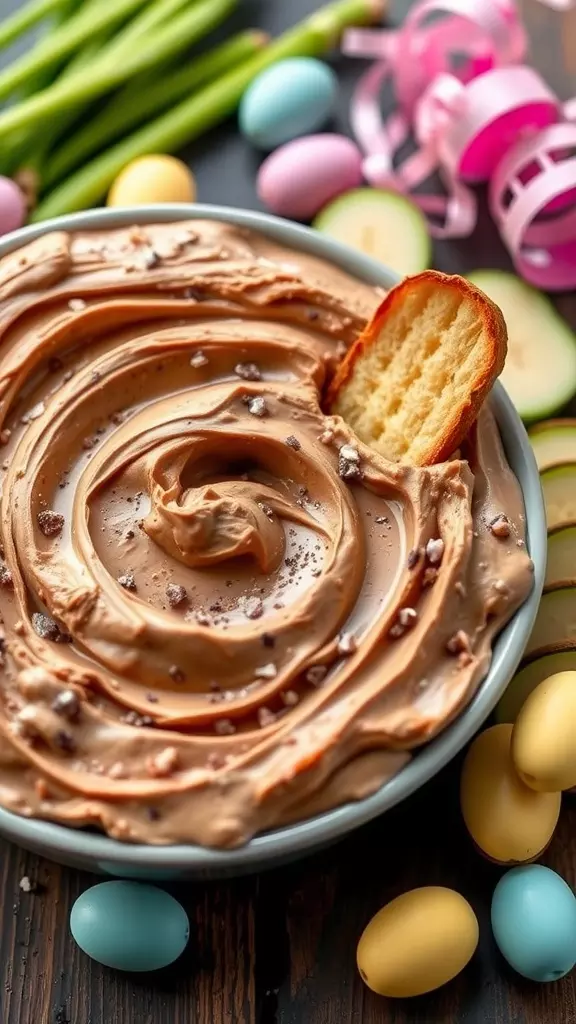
[(153, 179), (544, 736), (507, 820), (418, 942)]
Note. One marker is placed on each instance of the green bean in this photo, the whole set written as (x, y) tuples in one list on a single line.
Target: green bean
[(206, 108), (140, 100)]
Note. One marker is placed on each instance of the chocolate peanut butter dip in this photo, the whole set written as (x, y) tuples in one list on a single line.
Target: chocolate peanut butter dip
[(220, 611)]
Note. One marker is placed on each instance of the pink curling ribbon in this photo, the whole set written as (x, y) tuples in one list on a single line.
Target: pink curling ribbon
[(461, 92)]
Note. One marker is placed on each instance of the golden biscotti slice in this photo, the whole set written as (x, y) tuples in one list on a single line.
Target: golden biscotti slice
[(412, 384)]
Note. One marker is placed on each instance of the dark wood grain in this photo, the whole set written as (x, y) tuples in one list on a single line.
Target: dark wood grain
[(280, 948)]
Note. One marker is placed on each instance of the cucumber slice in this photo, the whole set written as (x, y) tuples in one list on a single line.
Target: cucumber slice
[(554, 442), (555, 624), (528, 678), (561, 567), (559, 487), (384, 225), (540, 370)]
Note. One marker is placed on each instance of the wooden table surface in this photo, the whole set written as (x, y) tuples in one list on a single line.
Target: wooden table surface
[(280, 948)]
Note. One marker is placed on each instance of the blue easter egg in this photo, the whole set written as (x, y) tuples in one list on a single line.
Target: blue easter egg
[(129, 926), (534, 922), (288, 99)]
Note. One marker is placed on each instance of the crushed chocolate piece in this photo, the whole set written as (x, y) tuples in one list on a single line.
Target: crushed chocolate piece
[(67, 704), (153, 814), (349, 453), (268, 640), (413, 558), (327, 436), (290, 698), (435, 551), (198, 360), (5, 435), (162, 764), (268, 671), (407, 617), (257, 406), (139, 721), (293, 442), (224, 727), (500, 526), (429, 577), (50, 523), (175, 594), (265, 717), (127, 581), (176, 674), (347, 643), (6, 578), (45, 627), (316, 674), (247, 371), (313, 315)]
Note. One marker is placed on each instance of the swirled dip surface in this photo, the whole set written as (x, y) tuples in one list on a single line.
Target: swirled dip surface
[(221, 612)]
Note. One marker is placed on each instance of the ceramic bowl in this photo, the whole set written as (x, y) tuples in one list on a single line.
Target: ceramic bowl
[(95, 852)]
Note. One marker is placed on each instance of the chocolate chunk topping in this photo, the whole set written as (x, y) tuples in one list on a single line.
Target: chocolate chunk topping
[(176, 594), (293, 442), (50, 523), (6, 579), (45, 627), (247, 371), (67, 704), (127, 581)]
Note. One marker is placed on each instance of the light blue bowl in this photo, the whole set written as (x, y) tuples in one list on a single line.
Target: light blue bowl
[(98, 853)]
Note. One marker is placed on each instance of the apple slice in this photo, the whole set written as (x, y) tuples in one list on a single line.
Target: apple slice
[(554, 442), (555, 624), (561, 568), (381, 224), (540, 370), (559, 487), (528, 678)]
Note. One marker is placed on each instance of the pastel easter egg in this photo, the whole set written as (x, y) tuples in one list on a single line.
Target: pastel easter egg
[(418, 942), (12, 206), (544, 736), (157, 178), (534, 922), (291, 98), (508, 821), (299, 178), (129, 926)]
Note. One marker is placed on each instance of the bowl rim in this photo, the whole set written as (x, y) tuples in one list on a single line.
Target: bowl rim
[(297, 839)]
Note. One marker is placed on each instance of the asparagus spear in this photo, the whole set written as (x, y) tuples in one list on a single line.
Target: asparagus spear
[(87, 22), (207, 107), (105, 74), (17, 24), (141, 100)]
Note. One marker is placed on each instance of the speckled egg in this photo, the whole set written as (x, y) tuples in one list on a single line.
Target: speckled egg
[(12, 206), (129, 926), (291, 98), (157, 178), (299, 178), (509, 822), (418, 942), (534, 922), (544, 736)]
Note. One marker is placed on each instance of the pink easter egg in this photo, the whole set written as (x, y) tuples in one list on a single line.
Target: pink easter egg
[(302, 176), (12, 206)]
